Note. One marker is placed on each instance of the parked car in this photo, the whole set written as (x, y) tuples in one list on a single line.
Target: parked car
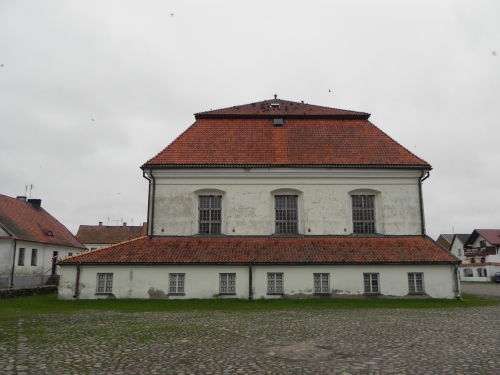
[(496, 277)]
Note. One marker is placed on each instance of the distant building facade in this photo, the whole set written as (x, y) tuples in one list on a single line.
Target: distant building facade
[(99, 236), (31, 240)]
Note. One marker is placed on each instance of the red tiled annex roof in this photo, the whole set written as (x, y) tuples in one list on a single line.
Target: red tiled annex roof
[(237, 137), (269, 250), (95, 234), (30, 222)]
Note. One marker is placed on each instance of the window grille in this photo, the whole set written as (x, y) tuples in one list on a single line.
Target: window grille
[(468, 272), (104, 283), (275, 283), (321, 283), (177, 283), (286, 214), (227, 283), (33, 256), (363, 213), (20, 259), (416, 282), (371, 282), (210, 214)]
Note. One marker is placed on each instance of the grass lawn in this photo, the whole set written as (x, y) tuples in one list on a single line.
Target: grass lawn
[(50, 304)]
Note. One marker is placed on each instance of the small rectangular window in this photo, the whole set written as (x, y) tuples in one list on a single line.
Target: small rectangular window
[(468, 272), (481, 272), (363, 213), (275, 283), (176, 283), (416, 282), (70, 254), (33, 256), (104, 283), (321, 283), (227, 283), (209, 214), (371, 283), (286, 210), (20, 259)]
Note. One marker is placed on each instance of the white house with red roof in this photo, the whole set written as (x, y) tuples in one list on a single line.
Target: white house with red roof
[(276, 199), (482, 255), (30, 242)]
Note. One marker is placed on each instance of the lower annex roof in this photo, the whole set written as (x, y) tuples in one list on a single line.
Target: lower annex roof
[(269, 250)]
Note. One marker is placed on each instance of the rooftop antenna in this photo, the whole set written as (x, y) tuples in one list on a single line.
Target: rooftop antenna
[(117, 221), (31, 186), (275, 96)]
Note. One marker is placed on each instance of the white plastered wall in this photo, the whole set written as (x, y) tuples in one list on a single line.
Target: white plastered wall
[(27, 274), (202, 281), (324, 199)]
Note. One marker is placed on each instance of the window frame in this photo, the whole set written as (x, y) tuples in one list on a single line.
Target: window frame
[(271, 276), (482, 272), (372, 276), (227, 280), (21, 256), (34, 256), (414, 282), (210, 221), (174, 276), (287, 209), (468, 272), (108, 279), (320, 275), (362, 210)]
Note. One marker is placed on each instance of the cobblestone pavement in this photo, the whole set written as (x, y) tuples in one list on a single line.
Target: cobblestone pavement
[(366, 341), (491, 290)]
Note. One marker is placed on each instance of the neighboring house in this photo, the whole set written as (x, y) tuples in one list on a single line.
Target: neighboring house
[(30, 238), (457, 245), (445, 240), (276, 199), (482, 255), (98, 236)]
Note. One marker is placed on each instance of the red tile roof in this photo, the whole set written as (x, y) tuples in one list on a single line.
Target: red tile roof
[(95, 234), (490, 235), (244, 137), (269, 250), (28, 221), (281, 108)]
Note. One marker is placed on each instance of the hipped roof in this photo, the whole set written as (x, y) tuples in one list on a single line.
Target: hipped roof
[(314, 136), (97, 234), (270, 250), (29, 222)]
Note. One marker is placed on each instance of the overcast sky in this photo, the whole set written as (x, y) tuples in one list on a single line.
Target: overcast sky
[(91, 90)]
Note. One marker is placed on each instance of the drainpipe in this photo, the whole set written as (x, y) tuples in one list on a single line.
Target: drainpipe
[(151, 199), (250, 281), (13, 264), (457, 284), (425, 175), (77, 282)]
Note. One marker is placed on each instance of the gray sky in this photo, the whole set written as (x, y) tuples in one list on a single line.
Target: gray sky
[(90, 90)]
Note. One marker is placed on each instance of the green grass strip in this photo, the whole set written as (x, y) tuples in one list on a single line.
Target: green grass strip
[(50, 304)]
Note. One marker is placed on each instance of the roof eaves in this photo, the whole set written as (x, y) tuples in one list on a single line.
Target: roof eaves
[(368, 166)]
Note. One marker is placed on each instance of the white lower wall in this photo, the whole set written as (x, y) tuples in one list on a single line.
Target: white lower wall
[(203, 281)]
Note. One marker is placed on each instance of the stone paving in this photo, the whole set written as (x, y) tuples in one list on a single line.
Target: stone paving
[(366, 341)]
